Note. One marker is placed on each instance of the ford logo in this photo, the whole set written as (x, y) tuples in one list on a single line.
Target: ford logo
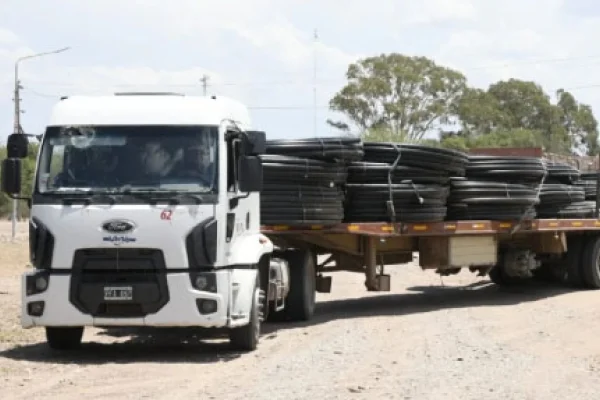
[(118, 226)]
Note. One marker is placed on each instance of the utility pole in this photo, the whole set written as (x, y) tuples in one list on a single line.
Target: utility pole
[(204, 81), (315, 37), (17, 118)]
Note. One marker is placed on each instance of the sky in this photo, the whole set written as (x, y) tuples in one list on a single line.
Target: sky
[(263, 52)]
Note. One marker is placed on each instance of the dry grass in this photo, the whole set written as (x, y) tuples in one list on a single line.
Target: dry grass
[(14, 259)]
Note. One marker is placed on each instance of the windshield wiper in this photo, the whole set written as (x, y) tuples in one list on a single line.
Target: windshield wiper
[(180, 198), (172, 197), (91, 199)]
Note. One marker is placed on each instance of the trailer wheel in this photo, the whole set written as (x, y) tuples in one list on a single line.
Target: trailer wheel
[(590, 266), (551, 272), (245, 338), (499, 276), (300, 302), (64, 338)]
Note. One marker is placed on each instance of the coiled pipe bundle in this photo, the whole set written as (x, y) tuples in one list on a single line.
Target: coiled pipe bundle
[(579, 209), (448, 162), (487, 200), (339, 149), (401, 202), (401, 183), (561, 173), (497, 188), (588, 181), (301, 191), (506, 169), (559, 193)]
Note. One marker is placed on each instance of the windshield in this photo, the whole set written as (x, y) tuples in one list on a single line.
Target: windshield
[(128, 158)]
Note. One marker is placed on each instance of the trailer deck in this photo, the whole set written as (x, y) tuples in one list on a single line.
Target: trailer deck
[(447, 247), (441, 228)]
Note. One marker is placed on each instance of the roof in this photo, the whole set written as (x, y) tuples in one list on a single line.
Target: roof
[(148, 109)]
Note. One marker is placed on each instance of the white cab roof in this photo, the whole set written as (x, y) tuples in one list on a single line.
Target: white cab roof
[(148, 109)]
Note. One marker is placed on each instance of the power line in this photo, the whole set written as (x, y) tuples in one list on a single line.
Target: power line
[(328, 80), (590, 86), (300, 107), (191, 85), (538, 61)]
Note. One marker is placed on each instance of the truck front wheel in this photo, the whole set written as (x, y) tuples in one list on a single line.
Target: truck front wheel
[(245, 338), (64, 338)]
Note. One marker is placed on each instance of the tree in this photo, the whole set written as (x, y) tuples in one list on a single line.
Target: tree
[(404, 95), (579, 123), (498, 138), (510, 108), (27, 172), (480, 112)]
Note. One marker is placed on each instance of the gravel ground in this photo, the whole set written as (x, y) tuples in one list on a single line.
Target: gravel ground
[(460, 337)]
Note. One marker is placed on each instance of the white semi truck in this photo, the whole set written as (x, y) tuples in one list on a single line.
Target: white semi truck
[(145, 212)]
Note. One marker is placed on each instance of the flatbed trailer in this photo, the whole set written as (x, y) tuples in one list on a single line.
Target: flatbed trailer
[(510, 252)]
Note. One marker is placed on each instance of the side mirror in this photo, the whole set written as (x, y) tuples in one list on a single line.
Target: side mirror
[(17, 145), (250, 173), (255, 143), (11, 176)]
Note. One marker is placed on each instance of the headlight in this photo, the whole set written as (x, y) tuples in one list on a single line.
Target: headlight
[(201, 282), (204, 281), (41, 283), (37, 283)]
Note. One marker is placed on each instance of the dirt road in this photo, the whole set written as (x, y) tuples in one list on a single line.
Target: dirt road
[(466, 339)]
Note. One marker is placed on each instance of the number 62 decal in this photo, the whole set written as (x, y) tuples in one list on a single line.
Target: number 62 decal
[(165, 215)]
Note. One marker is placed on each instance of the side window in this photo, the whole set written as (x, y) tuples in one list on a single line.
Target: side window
[(233, 153), (54, 162), (57, 162)]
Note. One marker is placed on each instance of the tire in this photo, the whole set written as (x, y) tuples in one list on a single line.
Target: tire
[(245, 338), (499, 277), (64, 338), (549, 272), (573, 261), (300, 302), (590, 265)]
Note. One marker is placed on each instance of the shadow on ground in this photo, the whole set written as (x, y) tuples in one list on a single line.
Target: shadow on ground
[(190, 345), (425, 299), (134, 345)]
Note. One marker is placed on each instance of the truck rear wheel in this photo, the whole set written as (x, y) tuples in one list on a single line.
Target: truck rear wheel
[(300, 302), (590, 265), (245, 338), (64, 338), (573, 260)]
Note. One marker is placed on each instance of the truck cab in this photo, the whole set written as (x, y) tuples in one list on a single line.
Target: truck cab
[(144, 212)]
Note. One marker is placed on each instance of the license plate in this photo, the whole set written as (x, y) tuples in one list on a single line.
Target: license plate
[(118, 293)]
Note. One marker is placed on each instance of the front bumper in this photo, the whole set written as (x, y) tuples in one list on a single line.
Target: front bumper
[(181, 310)]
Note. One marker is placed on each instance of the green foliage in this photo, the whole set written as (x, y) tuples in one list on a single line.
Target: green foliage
[(500, 138), (400, 98), (27, 173), (579, 122), (405, 96), (480, 112)]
